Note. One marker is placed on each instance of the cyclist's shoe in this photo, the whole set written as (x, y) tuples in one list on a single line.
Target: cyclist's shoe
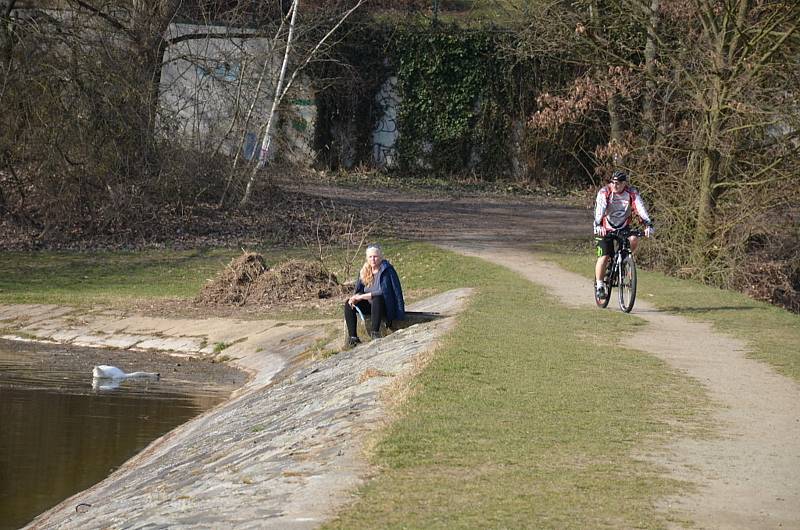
[(600, 291), (374, 335), (352, 342)]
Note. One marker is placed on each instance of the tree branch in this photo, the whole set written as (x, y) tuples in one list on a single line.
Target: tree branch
[(105, 16)]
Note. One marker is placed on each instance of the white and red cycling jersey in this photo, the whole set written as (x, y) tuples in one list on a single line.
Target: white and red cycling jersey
[(614, 210)]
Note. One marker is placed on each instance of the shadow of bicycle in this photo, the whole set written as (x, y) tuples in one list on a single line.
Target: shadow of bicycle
[(702, 310)]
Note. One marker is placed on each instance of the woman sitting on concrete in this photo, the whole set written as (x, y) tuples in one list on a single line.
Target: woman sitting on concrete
[(378, 293)]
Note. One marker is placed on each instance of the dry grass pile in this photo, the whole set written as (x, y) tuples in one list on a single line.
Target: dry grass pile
[(247, 280), (295, 280), (233, 285)]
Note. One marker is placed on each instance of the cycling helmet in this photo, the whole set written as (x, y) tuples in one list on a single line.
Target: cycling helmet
[(619, 176)]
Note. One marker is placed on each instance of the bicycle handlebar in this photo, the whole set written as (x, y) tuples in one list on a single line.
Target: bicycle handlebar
[(626, 232)]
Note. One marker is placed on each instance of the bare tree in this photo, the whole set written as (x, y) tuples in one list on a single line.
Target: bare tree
[(140, 29), (708, 115), (336, 237), (281, 88), (89, 139)]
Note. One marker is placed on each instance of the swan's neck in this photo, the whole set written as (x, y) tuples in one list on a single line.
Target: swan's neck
[(141, 374)]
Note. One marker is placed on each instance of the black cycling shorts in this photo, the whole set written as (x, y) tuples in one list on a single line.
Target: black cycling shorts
[(605, 246)]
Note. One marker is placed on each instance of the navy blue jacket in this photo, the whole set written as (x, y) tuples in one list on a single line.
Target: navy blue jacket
[(392, 292)]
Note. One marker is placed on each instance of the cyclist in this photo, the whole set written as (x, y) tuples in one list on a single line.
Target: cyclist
[(613, 209)]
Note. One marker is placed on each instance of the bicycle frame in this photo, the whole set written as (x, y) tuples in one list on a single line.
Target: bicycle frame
[(622, 249), (621, 265)]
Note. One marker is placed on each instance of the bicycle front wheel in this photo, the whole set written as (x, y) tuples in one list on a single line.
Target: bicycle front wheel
[(627, 284), (603, 301)]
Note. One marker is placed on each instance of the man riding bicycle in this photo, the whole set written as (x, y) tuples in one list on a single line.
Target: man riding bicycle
[(613, 209)]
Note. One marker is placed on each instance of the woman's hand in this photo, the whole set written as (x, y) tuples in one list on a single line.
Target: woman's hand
[(353, 300)]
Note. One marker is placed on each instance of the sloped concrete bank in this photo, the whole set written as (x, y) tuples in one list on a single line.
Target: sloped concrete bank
[(282, 453)]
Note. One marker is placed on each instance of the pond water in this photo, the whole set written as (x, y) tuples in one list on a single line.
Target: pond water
[(59, 436)]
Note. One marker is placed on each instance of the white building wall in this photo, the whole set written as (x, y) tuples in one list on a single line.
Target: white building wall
[(209, 86)]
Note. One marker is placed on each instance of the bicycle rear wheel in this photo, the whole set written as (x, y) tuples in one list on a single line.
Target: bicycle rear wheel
[(627, 284)]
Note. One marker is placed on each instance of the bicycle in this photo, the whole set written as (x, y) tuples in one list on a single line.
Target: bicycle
[(621, 271)]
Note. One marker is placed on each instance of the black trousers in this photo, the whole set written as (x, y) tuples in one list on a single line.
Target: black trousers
[(375, 308)]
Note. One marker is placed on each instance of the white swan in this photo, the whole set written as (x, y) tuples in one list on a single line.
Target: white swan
[(105, 371), (105, 377)]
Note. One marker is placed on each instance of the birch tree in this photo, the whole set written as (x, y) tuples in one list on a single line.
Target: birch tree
[(282, 88)]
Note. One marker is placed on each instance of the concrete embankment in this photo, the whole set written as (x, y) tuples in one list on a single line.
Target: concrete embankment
[(284, 452)]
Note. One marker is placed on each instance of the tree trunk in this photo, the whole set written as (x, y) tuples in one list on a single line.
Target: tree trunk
[(650, 54), (6, 34), (725, 51), (267, 140), (709, 175), (709, 158), (594, 16), (3, 207), (614, 120), (149, 24)]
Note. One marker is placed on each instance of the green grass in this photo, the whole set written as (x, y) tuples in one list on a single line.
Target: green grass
[(773, 334), (527, 416), (90, 278), (103, 277), (86, 279)]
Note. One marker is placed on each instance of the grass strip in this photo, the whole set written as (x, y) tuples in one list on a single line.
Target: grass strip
[(108, 277), (529, 415), (83, 278), (111, 278), (771, 333)]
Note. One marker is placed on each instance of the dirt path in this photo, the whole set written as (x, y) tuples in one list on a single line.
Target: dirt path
[(748, 475)]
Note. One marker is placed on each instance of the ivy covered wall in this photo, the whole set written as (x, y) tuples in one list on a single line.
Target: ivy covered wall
[(455, 101), (459, 101)]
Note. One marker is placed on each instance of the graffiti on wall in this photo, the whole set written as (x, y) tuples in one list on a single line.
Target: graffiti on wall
[(223, 71), (207, 88), (250, 145), (386, 133)]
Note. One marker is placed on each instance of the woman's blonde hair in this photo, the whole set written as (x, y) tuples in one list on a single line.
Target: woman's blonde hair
[(366, 274)]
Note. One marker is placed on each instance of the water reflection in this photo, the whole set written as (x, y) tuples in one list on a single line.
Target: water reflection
[(58, 435)]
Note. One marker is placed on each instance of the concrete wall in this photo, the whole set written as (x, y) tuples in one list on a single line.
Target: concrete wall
[(209, 86)]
